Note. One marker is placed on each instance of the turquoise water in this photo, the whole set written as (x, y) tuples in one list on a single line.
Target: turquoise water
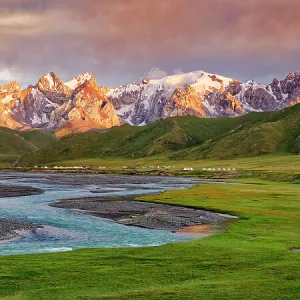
[(66, 230)]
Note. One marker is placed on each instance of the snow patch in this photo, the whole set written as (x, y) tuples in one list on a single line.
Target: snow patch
[(50, 80), (199, 80), (210, 108), (72, 84), (7, 99), (247, 108), (79, 80), (35, 120), (121, 90)]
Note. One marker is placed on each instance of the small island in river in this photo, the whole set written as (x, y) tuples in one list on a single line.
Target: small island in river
[(142, 214), (7, 190)]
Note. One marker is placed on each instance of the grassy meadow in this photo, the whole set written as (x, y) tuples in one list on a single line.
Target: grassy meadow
[(253, 260), (270, 162)]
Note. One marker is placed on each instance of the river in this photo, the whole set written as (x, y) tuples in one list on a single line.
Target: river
[(66, 230)]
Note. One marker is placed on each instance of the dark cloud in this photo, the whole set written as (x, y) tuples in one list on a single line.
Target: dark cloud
[(120, 40)]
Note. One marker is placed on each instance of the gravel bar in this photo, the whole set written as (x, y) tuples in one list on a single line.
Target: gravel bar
[(142, 214), (16, 191), (10, 229)]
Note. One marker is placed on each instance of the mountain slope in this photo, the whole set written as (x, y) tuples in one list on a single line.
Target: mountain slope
[(273, 132), (15, 143), (182, 138)]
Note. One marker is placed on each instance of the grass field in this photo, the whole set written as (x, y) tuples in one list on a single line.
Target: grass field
[(253, 260), (270, 162)]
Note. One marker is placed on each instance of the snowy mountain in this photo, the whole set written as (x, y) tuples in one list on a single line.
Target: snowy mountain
[(80, 104), (77, 106), (201, 94), (184, 94)]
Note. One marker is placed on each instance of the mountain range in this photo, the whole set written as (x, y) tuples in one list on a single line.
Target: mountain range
[(180, 138), (81, 105)]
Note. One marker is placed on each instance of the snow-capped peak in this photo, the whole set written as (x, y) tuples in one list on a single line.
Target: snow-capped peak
[(195, 79), (50, 81), (79, 80), (201, 81), (50, 78)]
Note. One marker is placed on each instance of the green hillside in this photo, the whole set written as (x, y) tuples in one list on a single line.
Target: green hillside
[(183, 138), (15, 143), (272, 132)]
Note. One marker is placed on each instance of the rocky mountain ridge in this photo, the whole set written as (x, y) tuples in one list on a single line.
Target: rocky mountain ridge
[(81, 105), (76, 106)]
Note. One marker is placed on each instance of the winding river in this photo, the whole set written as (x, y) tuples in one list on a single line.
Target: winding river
[(66, 230)]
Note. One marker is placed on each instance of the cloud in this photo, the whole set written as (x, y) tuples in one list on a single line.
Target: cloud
[(120, 39), (6, 75), (155, 73), (177, 71)]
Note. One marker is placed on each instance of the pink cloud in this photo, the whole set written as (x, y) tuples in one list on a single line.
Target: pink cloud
[(135, 35)]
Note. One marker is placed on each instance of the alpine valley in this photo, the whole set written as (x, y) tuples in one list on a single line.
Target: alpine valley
[(81, 105)]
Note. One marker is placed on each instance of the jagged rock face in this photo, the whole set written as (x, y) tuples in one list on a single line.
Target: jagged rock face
[(87, 108), (258, 99), (76, 106), (185, 94), (184, 102), (9, 93), (291, 87), (33, 108), (274, 96), (35, 104), (80, 104), (223, 104), (53, 88)]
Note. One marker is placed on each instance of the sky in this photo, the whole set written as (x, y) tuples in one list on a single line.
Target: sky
[(121, 41)]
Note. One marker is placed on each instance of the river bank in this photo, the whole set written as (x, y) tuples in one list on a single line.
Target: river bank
[(89, 171)]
